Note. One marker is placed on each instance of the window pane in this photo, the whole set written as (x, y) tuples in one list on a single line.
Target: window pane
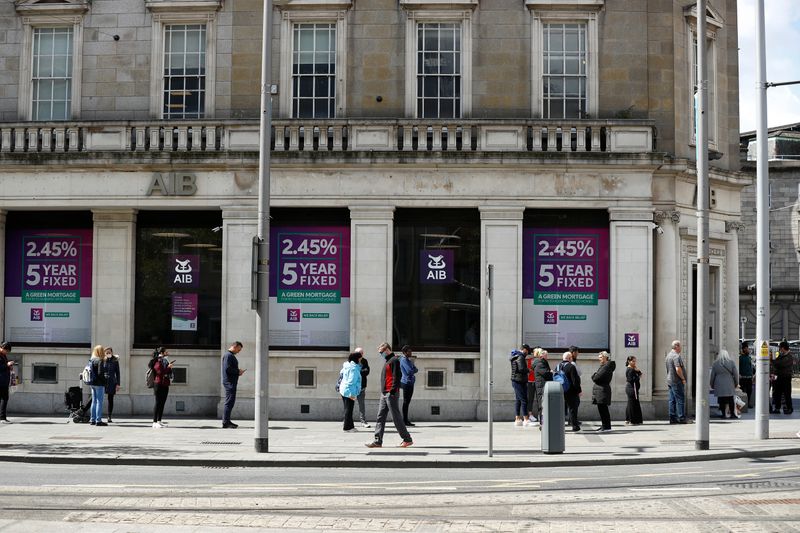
[(313, 70), (430, 108), (438, 68), (446, 108), (184, 71)]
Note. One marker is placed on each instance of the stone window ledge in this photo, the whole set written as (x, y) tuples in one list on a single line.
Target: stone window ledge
[(439, 4), (564, 4), (324, 5), (183, 6), (32, 8)]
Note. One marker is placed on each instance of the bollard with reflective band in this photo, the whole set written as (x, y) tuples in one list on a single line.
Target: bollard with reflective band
[(553, 418)]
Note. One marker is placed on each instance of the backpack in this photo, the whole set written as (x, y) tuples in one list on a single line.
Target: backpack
[(339, 381), (87, 375), (561, 377), (150, 377)]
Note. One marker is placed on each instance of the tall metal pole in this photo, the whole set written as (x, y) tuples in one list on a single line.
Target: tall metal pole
[(701, 140), (489, 369), (262, 276), (762, 236)]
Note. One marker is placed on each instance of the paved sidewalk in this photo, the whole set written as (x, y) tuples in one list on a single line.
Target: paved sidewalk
[(201, 442)]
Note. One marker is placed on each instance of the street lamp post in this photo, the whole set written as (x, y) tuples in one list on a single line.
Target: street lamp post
[(262, 264)]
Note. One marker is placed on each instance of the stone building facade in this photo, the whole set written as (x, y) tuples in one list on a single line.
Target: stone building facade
[(784, 234), (415, 142)]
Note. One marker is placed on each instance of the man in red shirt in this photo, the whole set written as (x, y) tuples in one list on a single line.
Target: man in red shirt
[(390, 385)]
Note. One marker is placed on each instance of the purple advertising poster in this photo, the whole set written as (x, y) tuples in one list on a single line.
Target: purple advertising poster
[(48, 285), (184, 311), (436, 266), (310, 286), (566, 286)]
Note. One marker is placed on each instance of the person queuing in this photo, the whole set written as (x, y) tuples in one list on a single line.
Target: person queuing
[(98, 384), (572, 394), (5, 379), (390, 384), (541, 368), (746, 373), (364, 364), (530, 356), (162, 367), (349, 388), (724, 379), (519, 379), (409, 369), (112, 379), (601, 390), (676, 383), (633, 376), (782, 386)]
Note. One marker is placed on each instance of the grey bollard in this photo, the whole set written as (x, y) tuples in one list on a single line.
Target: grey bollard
[(553, 418)]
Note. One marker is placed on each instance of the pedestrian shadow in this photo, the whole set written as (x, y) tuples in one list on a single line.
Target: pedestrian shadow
[(82, 449)]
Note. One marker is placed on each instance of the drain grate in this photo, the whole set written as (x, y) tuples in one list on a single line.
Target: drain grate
[(676, 442), (778, 501), (761, 484), (220, 443)]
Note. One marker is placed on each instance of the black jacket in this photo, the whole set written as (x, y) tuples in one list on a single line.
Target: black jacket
[(542, 373), (782, 365), (601, 391), (519, 369), (571, 372), (391, 374), (5, 372), (364, 372), (632, 384), (230, 369)]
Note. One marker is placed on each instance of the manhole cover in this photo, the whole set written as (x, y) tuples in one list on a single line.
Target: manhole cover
[(220, 443)]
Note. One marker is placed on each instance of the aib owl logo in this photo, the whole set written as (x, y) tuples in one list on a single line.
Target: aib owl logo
[(551, 317), (293, 315)]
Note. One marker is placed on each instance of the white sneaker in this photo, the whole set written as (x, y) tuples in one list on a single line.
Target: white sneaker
[(157, 425), (163, 423), (526, 423), (4, 421), (365, 425), (518, 422), (351, 430), (798, 434)]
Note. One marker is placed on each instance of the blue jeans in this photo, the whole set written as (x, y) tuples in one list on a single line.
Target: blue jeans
[(98, 394), (677, 402)]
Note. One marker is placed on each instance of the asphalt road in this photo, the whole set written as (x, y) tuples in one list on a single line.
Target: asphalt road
[(739, 495)]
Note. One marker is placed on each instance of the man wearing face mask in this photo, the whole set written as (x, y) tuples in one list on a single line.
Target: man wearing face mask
[(391, 374)]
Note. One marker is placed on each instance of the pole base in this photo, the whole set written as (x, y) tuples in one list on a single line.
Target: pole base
[(262, 445), (701, 445)]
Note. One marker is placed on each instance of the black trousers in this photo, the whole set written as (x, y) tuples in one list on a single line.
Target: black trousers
[(348, 413), (726, 401), (746, 384), (161, 393), (571, 401), (3, 402), (408, 392), (633, 411), (782, 393), (532, 397), (605, 416), (110, 402)]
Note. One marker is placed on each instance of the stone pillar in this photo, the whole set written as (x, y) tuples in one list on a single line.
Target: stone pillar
[(667, 309), (113, 282), (371, 278), (631, 294), (731, 341), (2, 272), (239, 226), (501, 246)]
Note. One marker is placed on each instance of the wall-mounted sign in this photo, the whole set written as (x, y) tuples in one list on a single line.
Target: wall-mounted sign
[(631, 340), (172, 184), (565, 287), (184, 311), (184, 270), (436, 266), (48, 285), (310, 286)]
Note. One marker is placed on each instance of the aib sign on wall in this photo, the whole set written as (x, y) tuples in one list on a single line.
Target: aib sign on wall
[(184, 270), (436, 266)]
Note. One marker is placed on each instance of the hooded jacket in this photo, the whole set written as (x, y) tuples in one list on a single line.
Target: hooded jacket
[(112, 374), (98, 371), (601, 391), (350, 385), (519, 368), (391, 374)]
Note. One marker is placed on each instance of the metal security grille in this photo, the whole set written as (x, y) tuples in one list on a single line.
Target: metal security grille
[(184, 71), (439, 70), (51, 73), (314, 71), (564, 70)]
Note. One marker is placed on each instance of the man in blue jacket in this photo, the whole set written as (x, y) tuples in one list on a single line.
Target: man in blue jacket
[(230, 379), (409, 369)]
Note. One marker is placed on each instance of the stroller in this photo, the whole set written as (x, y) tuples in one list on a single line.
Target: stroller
[(77, 413)]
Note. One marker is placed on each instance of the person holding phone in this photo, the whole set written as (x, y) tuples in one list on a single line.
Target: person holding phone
[(112, 378), (230, 380), (162, 367), (6, 367)]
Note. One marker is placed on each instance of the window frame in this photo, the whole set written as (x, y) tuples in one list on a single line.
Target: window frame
[(414, 17), (31, 23), (587, 16), (711, 73), (160, 23), (297, 384), (291, 17)]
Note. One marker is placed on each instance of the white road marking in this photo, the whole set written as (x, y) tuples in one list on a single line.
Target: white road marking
[(674, 489)]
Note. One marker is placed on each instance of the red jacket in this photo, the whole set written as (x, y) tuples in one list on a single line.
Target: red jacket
[(163, 372), (391, 375)]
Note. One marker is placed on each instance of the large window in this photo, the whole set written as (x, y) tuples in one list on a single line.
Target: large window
[(564, 79), (314, 71), (439, 70), (437, 279), (178, 279), (51, 73), (184, 71)]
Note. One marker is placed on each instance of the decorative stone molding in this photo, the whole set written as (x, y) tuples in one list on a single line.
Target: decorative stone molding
[(734, 225), (501, 212), (439, 4), (35, 7), (661, 216), (564, 4), (183, 6)]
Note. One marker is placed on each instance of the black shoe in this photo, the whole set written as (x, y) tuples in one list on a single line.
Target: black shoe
[(576, 428), (410, 424), (374, 445), (673, 421), (229, 425), (101, 424)]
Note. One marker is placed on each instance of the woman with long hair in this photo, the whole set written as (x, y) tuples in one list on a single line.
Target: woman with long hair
[(633, 411), (724, 380), (98, 384), (162, 368), (112, 378)]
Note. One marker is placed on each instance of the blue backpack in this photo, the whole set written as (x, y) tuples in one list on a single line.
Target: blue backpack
[(561, 377)]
